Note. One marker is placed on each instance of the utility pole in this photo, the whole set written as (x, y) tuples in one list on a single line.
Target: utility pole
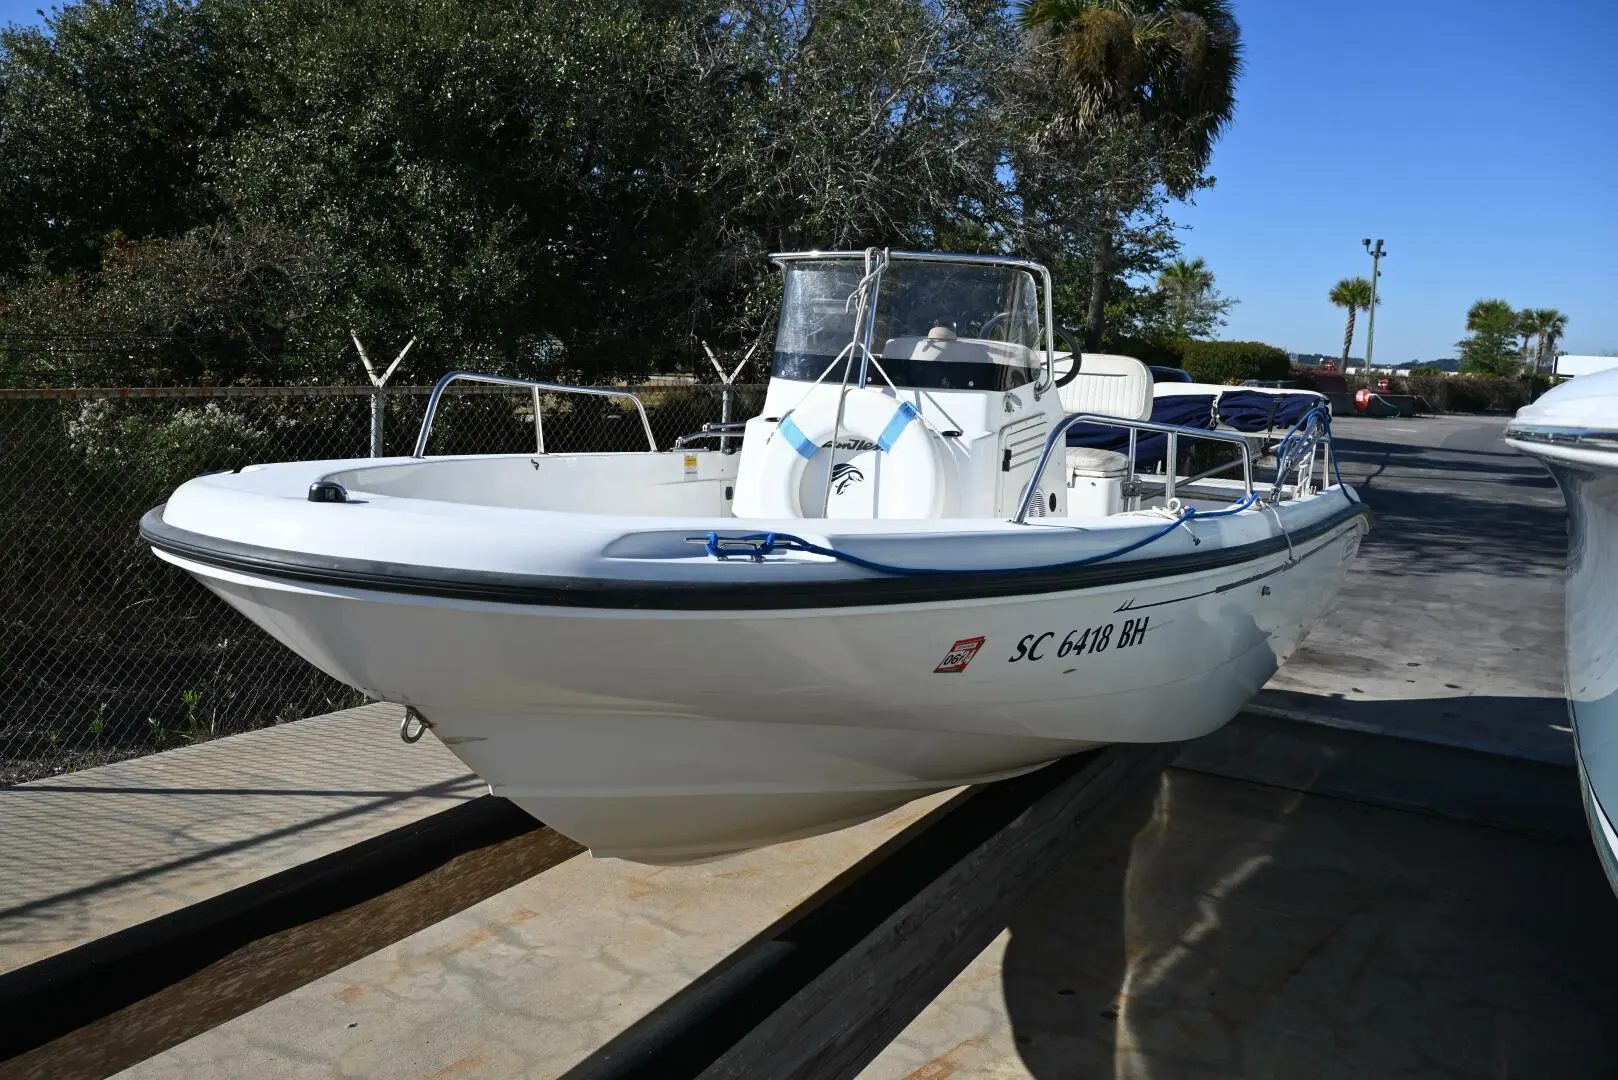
[(1376, 254)]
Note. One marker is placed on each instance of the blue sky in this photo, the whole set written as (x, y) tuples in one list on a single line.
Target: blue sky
[(1478, 138)]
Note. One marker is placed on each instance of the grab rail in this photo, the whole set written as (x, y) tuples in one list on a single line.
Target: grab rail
[(539, 428), (711, 430), (1058, 436)]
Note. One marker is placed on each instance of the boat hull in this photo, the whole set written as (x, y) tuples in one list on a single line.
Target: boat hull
[(680, 735), (1592, 643), (1571, 429)]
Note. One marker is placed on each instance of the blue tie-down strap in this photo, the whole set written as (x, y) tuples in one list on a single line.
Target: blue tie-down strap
[(796, 439), (902, 416)]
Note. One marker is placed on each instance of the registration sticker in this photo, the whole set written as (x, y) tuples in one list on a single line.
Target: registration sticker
[(960, 654), (690, 464)]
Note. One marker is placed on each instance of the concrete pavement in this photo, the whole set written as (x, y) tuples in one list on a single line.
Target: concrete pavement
[(91, 853), (1232, 930), (1239, 930), (1227, 929), (529, 982), (1450, 625)]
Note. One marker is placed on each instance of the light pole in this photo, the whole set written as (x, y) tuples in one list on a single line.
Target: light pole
[(1376, 254)]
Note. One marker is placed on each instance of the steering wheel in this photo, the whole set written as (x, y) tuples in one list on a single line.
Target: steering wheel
[(1076, 358), (983, 331)]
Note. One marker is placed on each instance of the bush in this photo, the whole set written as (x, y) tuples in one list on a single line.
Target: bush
[(1456, 393), (1230, 362), (151, 450), (1161, 353)]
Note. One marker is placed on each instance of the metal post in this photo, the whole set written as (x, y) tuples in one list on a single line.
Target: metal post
[(379, 393), (1132, 482), (1376, 254), (379, 409), (539, 426), (1172, 465), (864, 328), (726, 395)]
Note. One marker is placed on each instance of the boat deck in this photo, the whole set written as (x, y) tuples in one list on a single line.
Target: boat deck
[(1381, 871)]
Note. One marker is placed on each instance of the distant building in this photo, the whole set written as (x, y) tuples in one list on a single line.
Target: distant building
[(1568, 366), (1356, 364), (1314, 359)]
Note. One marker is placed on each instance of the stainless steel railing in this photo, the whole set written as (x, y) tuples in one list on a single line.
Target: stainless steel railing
[(1174, 432), (537, 388)]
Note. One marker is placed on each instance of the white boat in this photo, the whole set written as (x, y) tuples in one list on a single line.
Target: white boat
[(903, 582), (1573, 429)]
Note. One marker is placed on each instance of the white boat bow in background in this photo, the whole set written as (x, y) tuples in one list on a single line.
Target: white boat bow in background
[(1573, 429)]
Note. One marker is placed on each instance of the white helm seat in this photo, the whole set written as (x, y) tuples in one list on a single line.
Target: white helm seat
[(1106, 385), (1109, 386)]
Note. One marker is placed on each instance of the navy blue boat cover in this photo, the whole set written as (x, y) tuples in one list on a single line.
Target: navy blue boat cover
[(1186, 410), (1256, 410)]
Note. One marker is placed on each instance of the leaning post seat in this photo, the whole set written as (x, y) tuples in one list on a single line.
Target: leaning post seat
[(1106, 385)]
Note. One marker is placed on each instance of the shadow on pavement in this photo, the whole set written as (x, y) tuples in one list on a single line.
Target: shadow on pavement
[(1442, 532), (1236, 930), (1535, 727)]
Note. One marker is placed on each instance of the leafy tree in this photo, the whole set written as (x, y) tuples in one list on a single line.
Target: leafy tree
[(1355, 295), (1491, 346), (1162, 70), (223, 188), (224, 297), (104, 117), (594, 184), (1195, 308)]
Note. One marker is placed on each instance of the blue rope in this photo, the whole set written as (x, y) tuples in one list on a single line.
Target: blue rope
[(758, 545), (762, 544)]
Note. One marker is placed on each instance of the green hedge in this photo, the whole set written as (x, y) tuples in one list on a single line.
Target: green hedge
[(1231, 362), (1161, 353), (1208, 361)]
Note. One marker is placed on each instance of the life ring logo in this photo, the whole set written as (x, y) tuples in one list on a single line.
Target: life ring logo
[(843, 475), (960, 654)]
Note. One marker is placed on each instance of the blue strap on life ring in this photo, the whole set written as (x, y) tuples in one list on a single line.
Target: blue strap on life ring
[(902, 416), (793, 434)]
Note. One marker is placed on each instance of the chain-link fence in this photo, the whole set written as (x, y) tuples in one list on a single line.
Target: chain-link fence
[(107, 652)]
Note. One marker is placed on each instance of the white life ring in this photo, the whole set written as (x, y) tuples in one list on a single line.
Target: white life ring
[(913, 455)]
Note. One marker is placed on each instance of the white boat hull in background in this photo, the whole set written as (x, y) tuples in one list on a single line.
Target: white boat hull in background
[(1574, 431), (668, 736)]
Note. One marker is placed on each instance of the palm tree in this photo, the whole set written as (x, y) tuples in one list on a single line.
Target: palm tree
[(1549, 326), (1528, 329), (1185, 284), (1166, 67), (1354, 294), (1492, 317)]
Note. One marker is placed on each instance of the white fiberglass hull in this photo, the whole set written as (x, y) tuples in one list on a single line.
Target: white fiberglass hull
[(674, 735), (1574, 430)]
